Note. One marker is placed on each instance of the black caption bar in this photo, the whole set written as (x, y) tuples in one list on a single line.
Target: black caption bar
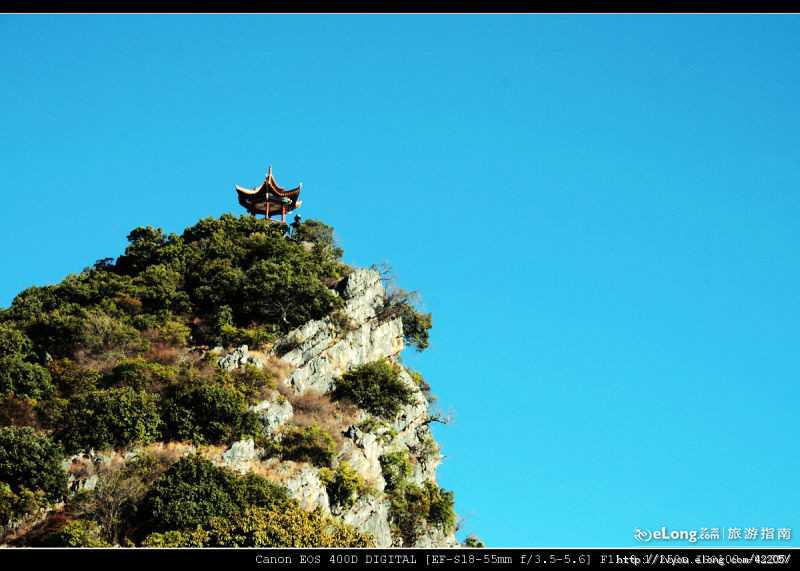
[(261, 559)]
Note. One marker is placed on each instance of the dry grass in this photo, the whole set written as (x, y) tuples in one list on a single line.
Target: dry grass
[(162, 353), (277, 368), (313, 408)]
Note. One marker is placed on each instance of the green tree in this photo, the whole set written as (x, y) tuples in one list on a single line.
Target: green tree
[(111, 418), (207, 413), (21, 378), (375, 387), (306, 444), (14, 343), (343, 485), (31, 461), (193, 491)]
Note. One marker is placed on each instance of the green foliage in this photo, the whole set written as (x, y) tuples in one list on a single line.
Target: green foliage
[(79, 533), (111, 418), (414, 507), (423, 385), (474, 541), (224, 332), (380, 428), (254, 383), (21, 378), (31, 461), (193, 491), (72, 379), (142, 375), (416, 326), (343, 485), (319, 234), (15, 505), (267, 283), (14, 343), (396, 468), (174, 538), (375, 387), (207, 413), (304, 444), (290, 526)]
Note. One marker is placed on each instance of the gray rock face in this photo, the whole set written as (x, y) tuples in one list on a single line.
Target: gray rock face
[(435, 538), (273, 413), (306, 488), (371, 515), (362, 451), (239, 357), (322, 352), (240, 455)]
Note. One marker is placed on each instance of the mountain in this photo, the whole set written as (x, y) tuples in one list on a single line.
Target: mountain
[(235, 385)]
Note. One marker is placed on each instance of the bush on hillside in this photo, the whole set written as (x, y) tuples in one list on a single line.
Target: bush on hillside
[(18, 377), (290, 526), (31, 461), (111, 418), (193, 491), (207, 412), (375, 387), (303, 444)]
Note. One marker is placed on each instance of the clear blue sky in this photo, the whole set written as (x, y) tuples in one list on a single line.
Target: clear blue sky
[(600, 211)]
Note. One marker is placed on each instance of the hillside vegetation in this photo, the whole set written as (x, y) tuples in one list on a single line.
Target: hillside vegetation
[(119, 357)]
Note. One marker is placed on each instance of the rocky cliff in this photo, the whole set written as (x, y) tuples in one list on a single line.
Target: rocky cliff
[(320, 352), (238, 384)]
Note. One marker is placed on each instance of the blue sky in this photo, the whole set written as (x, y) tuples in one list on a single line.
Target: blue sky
[(600, 211)]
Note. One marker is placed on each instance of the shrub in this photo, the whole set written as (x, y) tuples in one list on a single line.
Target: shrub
[(174, 332), (380, 428), (14, 343), (24, 379), (79, 533), (306, 444), (114, 501), (319, 234), (110, 418), (17, 411), (141, 375), (296, 293), (193, 490), (230, 262), (290, 526), (174, 538), (16, 505), (253, 382), (343, 485), (375, 387), (416, 326), (414, 507), (98, 333), (207, 413), (474, 541), (71, 379), (396, 468), (31, 461)]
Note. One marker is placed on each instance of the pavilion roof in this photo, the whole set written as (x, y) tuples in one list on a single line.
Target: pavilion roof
[(269, 197)]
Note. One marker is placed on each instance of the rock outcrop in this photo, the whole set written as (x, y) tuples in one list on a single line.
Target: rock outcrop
[(318, 353)]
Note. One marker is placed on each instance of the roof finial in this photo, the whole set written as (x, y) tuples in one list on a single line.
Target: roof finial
[(269, 172)]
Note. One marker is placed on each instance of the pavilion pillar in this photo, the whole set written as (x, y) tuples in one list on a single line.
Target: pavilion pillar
[(283, 214)]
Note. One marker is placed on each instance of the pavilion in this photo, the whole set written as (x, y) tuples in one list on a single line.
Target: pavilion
[(269, 198)]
